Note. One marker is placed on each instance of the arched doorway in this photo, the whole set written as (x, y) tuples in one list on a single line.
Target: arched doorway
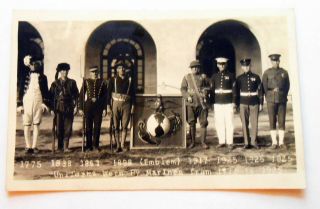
[(29, 43), (231, 39), (128, 41)]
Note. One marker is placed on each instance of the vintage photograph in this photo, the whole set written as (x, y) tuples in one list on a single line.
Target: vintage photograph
[(206, 101)]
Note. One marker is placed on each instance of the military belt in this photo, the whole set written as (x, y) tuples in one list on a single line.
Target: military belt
[(120, 97), (223, 91), (248, 94)]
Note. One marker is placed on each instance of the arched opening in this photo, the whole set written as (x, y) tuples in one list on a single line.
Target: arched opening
[(29, 43), (231, 39), (127, 41)]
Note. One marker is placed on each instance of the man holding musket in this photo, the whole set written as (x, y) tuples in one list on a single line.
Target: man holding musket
[(194, 89), (121, 103), (92, 105), (64, 97), (250, 102), (276, 86)]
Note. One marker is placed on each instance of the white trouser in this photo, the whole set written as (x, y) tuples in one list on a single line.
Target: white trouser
[(223, 114)]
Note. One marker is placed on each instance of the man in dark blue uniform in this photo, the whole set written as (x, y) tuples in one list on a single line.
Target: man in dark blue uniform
[(223, 85), (64, 97), (250, 100), (92, 103), (276, 86), (122, 96)]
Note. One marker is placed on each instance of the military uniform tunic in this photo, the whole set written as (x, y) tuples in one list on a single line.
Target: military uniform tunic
[(249, 97), (276, 86), (93, 100), (197, 107), (64, 98), (224, 91)]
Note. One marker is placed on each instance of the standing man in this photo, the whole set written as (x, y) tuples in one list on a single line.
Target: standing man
[(223, 86), (92, 104), (64, 97), (121, 102), (250, 99), (194, 88), (33, 100), (276, 86)]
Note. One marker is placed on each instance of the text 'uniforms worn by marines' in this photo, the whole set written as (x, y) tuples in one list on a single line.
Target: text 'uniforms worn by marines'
[(92, 100), (224, 91), (249, 99), (276, 86), (64, 97), (194, 89)]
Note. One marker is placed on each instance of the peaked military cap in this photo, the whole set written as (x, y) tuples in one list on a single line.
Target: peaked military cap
[(221, 60), (274, 57), (93, 69), (245, 62), (63, 66), (194, 63)]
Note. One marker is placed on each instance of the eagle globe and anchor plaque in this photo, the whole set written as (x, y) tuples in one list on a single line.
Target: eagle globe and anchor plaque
[(158, 122)]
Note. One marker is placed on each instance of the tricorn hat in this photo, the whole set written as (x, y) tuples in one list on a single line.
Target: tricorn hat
[(245, 62), (274, 57), (194, 63), (63, 66)]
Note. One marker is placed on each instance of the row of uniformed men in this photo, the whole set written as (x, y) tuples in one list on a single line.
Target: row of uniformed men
[(228, 94), (96, 99)]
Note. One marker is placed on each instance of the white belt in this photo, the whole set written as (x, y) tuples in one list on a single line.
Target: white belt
[(248, 94), (222, 91)]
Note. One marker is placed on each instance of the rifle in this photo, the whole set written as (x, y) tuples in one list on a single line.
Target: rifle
[(197, 92), (54, 133), (83, 118), (111, 132)]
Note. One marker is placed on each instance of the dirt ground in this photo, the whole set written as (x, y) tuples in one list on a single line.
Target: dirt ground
[(156, 162)]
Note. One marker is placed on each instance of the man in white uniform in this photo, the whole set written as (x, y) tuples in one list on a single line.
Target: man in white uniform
[(33, 99)]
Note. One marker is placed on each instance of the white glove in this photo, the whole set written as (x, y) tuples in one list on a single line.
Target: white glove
[(52, 113), (20, 109), (81, 112), (26, 60), (44, 108)]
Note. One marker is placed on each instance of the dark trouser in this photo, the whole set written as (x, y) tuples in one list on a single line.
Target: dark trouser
[(121, 114), (277, 112), (194, 113), (249, 113), (64, 128), (93, 125)]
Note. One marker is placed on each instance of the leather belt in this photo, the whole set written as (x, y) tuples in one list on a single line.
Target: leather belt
[(120, 97)]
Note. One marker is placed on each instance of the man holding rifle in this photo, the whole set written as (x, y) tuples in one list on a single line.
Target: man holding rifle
[(194, 89), (64, 97), (121, 102), (92, 105)]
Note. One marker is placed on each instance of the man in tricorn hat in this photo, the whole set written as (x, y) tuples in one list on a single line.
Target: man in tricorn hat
[(121, 102), (250, 100), (276, 86), (33, 99), (92, 104), (223, 86), (194, 90), (64, 97)]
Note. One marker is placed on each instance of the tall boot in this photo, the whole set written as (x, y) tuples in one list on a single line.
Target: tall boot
[(123, 139), (36, 130), (203, 135), (192, 136)]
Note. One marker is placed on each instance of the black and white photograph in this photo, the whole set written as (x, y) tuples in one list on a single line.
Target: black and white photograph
[(208, 101)]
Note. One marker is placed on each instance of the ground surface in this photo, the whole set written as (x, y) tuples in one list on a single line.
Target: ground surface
[(164, 162)]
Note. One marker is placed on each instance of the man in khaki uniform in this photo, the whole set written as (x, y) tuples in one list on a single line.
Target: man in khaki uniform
[(276, 86)]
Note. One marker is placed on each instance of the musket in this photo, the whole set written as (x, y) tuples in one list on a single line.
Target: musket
[(111, 132), (54, 125), (83, 116)]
